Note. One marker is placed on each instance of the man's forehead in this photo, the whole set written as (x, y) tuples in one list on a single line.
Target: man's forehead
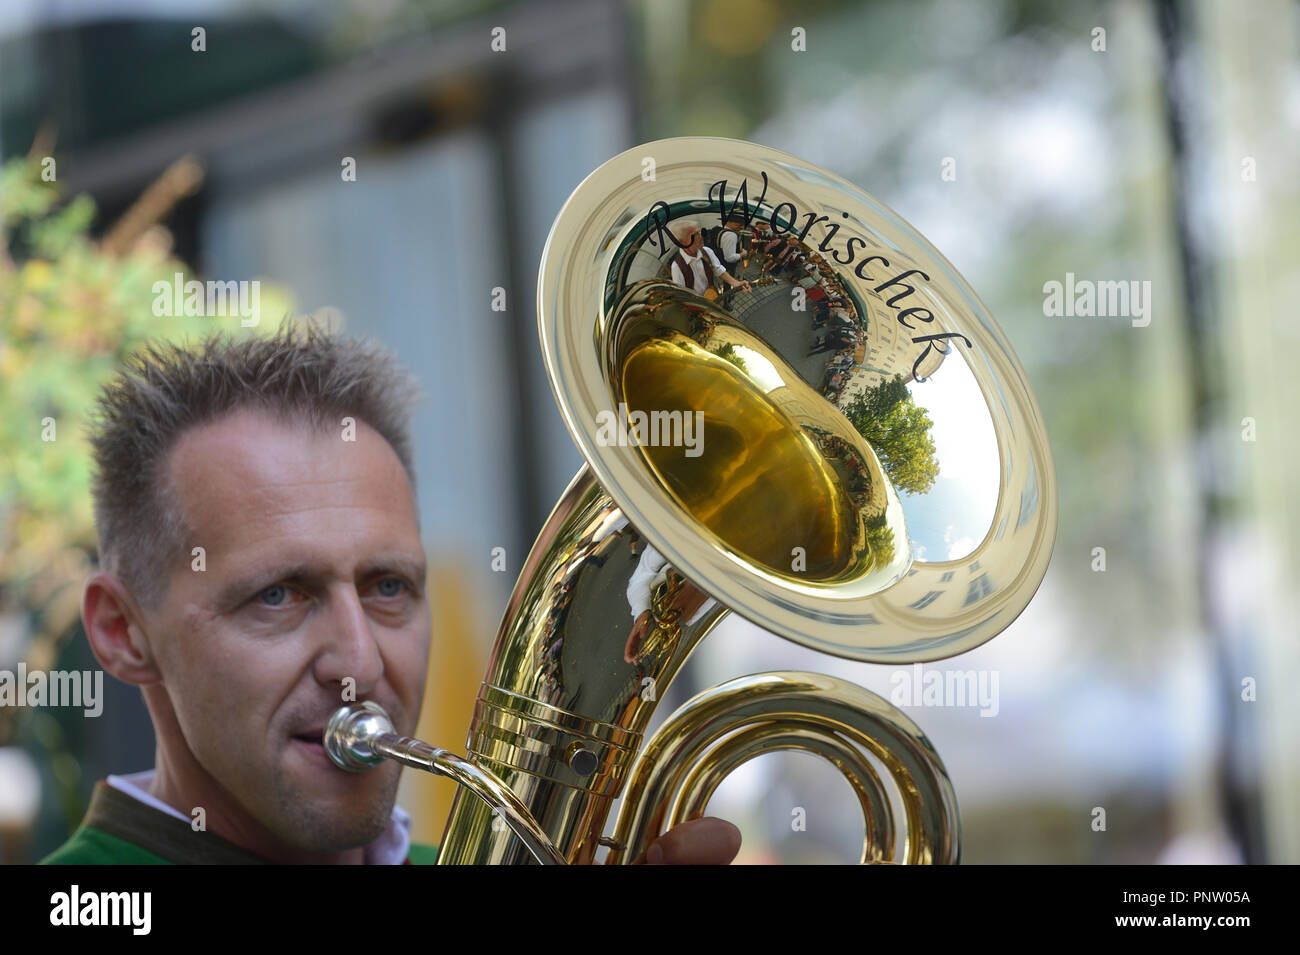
[(247, 478)]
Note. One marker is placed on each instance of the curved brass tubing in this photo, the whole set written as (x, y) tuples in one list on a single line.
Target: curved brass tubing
[(724, 727)]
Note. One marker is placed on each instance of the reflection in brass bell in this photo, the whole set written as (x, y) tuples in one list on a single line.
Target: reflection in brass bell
[(882, 488), (782, 471)]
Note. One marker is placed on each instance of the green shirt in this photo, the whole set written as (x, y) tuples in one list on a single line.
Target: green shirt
[(121, 830)]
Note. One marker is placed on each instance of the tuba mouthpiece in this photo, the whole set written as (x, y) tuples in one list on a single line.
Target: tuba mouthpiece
[(351, 731)]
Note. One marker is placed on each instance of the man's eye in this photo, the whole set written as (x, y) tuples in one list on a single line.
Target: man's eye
[(275, 596), (390, 587)]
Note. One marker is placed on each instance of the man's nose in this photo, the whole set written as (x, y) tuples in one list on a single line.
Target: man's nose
[(350, 651)]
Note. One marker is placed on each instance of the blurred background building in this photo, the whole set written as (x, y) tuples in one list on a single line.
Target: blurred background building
[(1113, 141)]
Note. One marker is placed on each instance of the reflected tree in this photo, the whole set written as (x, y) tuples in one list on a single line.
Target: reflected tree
[(880, 541), (728, 352), (899, 432)]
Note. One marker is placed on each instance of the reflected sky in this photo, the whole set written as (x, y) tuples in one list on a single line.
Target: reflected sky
[(950, 521)]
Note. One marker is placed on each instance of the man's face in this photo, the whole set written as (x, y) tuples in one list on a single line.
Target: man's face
[(314, 587), (694, 240)]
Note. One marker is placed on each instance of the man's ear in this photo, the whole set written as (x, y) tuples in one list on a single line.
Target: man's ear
[(112, 623)]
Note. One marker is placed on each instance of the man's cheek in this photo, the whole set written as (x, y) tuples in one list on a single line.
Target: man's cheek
[(411, 672), (222, 698)]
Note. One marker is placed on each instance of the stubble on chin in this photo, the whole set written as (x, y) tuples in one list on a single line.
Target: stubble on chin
[(314, 824)]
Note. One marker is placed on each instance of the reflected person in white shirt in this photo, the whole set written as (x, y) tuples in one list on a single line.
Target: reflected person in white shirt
[(689, 268)]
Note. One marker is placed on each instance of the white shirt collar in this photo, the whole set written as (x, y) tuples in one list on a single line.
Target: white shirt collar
[(390, 848)]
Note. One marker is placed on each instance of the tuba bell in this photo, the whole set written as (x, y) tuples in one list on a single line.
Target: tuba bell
[(841, 447)]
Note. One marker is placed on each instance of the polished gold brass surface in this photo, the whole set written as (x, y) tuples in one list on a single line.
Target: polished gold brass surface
[(724, 727), (782, 468), (755, 450), (737, 501), (913, 315), (567, 670)]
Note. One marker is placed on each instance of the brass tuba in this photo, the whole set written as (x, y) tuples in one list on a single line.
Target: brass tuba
[(793, 450)]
